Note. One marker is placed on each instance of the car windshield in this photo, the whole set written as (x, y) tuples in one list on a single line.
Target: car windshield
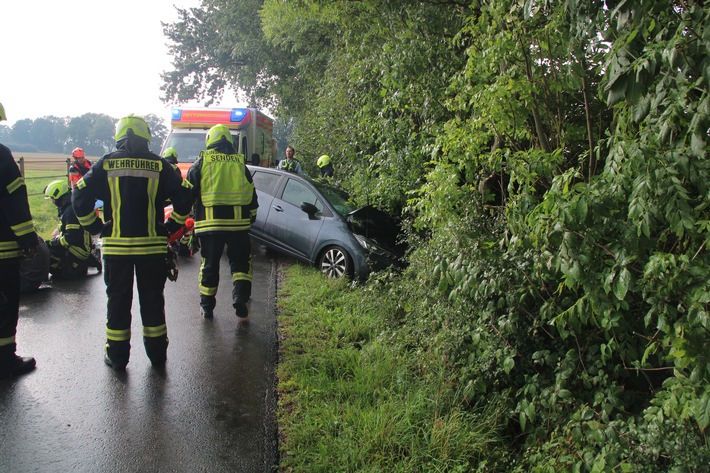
[(338, 198)]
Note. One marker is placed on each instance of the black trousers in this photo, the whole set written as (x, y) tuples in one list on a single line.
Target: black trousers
[(150, 275), (239, 255), (9, 306), (63, 264)]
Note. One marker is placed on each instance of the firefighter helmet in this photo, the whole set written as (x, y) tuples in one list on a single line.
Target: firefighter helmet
[(171, 155), (56, 189), (78, 153), (2, 113), (323, 161), (216, 134), (132, 125)]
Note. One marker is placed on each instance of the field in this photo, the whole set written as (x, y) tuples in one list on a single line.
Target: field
[(40, 169)]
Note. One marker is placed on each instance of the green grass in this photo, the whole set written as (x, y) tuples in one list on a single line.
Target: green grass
[(44, 213), (351, 398)]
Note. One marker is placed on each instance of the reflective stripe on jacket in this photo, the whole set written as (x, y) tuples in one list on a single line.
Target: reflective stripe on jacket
[(225, 196), (16, 225), (223, 179), (73, 236), (134, 188)]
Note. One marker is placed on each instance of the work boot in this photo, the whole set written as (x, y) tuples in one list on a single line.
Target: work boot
[(94, 262), (112, 364), (240, 307), (206, 313), (16, 366), (207, 305), (116, 354), (157, 349)]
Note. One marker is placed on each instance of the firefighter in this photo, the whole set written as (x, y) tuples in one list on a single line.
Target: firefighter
[(78, 167), (325, 166), (17, 240), (290, 164), (171, 156), (225, 207), (134, 185), (70, 250)]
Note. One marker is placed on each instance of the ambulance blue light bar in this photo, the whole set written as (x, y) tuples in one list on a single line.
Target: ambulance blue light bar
[(206, 117)]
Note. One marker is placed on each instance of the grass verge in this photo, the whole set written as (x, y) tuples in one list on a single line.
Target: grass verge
[(352, 398), (44, 213)]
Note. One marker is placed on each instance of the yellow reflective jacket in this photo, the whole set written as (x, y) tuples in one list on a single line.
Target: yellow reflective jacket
[(225, 196)]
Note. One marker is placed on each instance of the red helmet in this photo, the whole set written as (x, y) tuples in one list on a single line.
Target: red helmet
[(78, 153)]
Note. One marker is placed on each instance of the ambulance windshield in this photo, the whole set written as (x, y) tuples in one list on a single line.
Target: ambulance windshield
[(189, 144)]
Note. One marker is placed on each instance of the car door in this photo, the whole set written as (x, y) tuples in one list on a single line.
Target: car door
[(291, 228), (267, 184)]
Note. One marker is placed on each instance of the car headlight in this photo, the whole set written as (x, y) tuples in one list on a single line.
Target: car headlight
[(372, 247)]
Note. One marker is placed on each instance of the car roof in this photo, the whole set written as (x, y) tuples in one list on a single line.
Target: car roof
[(282, 172)]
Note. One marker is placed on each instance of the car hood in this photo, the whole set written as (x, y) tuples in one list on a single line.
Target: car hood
[(375, 225)]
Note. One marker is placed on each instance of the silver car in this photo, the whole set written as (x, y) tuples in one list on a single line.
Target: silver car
[(314, 222)]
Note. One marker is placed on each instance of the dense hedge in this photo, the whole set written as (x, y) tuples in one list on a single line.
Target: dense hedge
[(549, 160)]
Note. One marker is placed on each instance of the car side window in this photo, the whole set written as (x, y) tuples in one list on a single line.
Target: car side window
[(265, 182), (295, 193)]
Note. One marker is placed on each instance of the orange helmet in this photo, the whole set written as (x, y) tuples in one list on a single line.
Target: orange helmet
[(78, 153)]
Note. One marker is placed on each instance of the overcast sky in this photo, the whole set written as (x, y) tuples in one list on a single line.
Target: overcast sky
[(70, 57)]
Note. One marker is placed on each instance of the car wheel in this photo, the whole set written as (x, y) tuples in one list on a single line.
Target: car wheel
[(335, 262)]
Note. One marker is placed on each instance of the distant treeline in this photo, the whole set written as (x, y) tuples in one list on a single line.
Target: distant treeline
[(93, 132)]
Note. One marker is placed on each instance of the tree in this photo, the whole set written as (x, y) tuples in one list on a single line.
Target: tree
[(5, 133), (93, 132), (158, 131), (48, 134), (221, 46), (21, 133)]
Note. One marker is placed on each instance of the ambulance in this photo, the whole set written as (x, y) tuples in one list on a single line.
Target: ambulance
[(252, 131)]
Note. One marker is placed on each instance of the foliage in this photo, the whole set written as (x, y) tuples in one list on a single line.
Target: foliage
[(93, 132), (5, 133), (597, 288), (158, 131), (550, 161), (219, 46)]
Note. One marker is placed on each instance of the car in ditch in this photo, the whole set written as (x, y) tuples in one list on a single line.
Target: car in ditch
[(315, 222)]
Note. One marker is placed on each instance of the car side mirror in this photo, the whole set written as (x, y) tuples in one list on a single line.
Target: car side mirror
[(310, 209)]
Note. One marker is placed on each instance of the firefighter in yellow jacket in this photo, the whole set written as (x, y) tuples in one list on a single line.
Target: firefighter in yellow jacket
[(17, 240), (225, 207), (134, 184)]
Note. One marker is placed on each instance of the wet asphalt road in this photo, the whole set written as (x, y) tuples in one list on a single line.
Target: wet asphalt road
[(211, 409)]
